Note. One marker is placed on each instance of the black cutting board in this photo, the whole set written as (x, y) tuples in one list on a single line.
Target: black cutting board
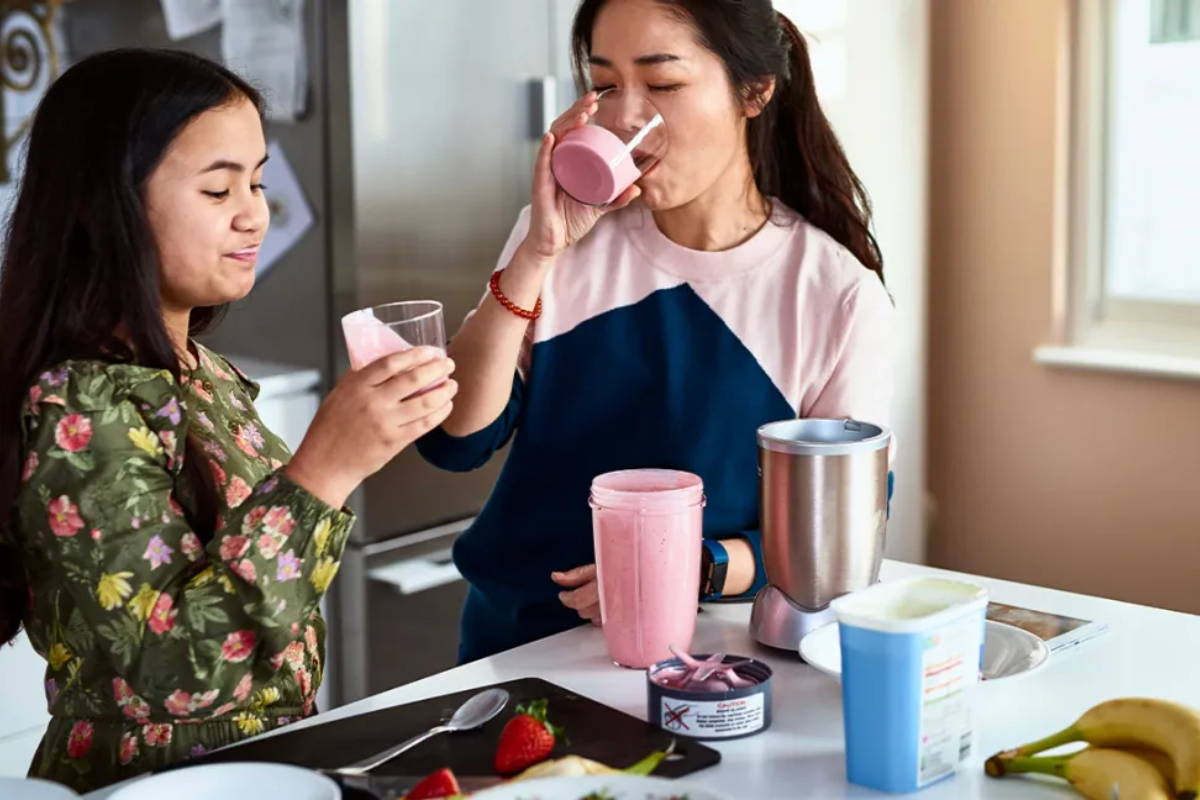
[(594, 730)]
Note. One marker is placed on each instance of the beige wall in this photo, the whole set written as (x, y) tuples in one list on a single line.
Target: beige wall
[(1078, 480)]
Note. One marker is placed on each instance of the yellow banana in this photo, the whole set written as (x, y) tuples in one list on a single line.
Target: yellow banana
[(1095, 771), (1160, 725), (567, 766), (1161, 761), (570, 766)]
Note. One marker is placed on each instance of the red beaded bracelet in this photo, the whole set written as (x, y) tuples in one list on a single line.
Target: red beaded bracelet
[(494, 285)]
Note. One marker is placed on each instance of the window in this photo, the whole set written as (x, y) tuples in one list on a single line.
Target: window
[(1132, 260)]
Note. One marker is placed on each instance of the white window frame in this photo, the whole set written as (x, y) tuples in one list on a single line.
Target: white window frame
[(1091, 329)]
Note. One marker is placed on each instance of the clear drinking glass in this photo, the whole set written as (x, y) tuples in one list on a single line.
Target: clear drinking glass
[(622, 142), (378, 331)]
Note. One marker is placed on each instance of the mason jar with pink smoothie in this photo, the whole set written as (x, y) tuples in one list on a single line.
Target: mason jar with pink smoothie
[(647, 526)]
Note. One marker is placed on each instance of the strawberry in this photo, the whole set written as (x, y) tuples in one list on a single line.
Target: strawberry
[(527, 738), (438, 784)]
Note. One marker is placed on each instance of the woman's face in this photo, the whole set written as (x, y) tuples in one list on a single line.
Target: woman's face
[(643, 46), (207, 210)]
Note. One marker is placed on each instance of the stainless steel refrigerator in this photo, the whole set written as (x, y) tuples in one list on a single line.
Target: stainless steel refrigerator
[(429, 115), (447, 101)]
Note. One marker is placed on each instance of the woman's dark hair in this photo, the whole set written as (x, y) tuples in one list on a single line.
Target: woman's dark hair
[(80, 275), (794, 153)]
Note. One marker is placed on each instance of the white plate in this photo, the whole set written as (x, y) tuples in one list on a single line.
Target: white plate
[(237, 779), (620, 787), (34, 789), (1007, 651)]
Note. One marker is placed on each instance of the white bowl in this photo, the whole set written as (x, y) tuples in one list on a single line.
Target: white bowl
[(1008, 651), (235, 779), (34, 789), (619, 787)]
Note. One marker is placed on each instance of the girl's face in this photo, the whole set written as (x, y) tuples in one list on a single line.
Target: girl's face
[(642, 46), (206, 208)]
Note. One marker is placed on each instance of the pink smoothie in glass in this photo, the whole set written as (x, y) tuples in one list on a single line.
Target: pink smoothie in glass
[(368, 339), (593, 165), (647, 525)]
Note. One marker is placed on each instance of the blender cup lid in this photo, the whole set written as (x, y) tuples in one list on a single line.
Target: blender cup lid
[(823, 437)]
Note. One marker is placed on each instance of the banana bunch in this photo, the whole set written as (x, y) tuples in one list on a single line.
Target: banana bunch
[(571, 766), (1147, 749)]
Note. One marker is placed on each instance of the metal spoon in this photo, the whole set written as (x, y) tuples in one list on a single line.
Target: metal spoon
[(472, 714)]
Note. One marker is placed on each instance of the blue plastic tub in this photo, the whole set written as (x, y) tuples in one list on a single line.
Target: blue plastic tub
[(911, 654)]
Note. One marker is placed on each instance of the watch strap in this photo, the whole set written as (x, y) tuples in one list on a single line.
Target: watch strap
[(714, 567)]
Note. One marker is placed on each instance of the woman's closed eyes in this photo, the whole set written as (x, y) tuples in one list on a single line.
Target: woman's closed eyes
[(221, 195)]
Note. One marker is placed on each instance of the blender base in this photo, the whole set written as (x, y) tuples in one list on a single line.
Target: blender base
[(777, 621)]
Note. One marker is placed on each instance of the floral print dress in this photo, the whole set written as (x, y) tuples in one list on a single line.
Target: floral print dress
[(160, 645)]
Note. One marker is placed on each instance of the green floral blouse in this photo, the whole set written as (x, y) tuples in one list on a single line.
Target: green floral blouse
[(161, 645)]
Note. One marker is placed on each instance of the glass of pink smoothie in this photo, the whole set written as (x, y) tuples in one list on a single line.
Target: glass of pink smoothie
[(378, 331), (623, 140), (647, 525)]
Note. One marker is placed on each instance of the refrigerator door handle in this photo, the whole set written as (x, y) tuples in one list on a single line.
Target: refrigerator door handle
[(543, 93), (414, 575)]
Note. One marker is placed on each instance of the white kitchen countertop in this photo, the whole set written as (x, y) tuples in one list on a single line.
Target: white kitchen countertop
[(1147, 652)]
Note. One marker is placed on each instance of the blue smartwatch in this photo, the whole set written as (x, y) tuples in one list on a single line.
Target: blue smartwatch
[(714, 565)]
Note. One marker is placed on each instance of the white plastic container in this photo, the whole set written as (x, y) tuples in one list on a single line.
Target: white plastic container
[(911, 655)]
